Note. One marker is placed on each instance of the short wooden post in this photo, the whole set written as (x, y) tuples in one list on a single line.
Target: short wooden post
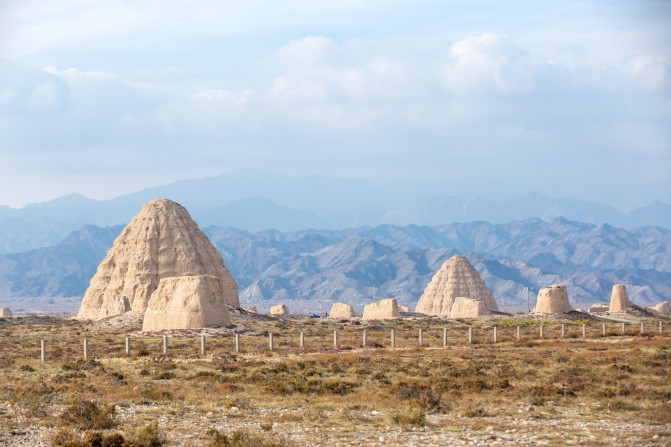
[(660, 326), (393, 338), (603, 326), (496, 334), (127, 346), (165, 344), (86, 349), (541, 331), (203, 346), (518, 333), (444, 337), (642, 328), (43, 350), (271, 345), (237, 343), (563, 331), (335, 339), (365, 337), (584, 330), (421, 337), (623, 328), (470, 334), (301, 340)]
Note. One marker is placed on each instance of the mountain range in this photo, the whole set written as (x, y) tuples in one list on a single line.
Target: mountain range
[(255, 201), (310, 269)]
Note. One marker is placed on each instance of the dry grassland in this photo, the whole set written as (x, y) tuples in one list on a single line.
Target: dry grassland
[(600, 391)]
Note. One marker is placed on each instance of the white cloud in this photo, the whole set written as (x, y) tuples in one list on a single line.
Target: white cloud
[(652, 72), (489, 63)]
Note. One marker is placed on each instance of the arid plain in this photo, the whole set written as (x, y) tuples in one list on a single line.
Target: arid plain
[(596, 390)]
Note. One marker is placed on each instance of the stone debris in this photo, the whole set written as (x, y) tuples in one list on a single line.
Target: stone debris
[(341, 310), (186, 302), (162, 241), (381, 310), (467, 308), (598, 308), (553, 300), (279, 309), (619, 300), (457, 277), (5, 312)]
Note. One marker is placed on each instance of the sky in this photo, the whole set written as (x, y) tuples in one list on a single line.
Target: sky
[(496, 99)]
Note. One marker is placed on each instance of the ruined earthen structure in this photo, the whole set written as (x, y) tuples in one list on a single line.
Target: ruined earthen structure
[(184, 302), (403, 308), (381, 310), (162, 241), (5, 312), (279, 309), (251, 309), (467, 308), (619, 300), (598, 308), (456, 277), (663, 308), (341, 310), (553, 300)]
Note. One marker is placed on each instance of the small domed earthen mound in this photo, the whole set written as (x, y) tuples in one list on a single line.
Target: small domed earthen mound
[(162, 241), (186, 302), (663, 308), (456, 277), (279, 309), (251, 309), (5, 312), (619, 300), (341, 310), (467, 308), (598, 308), (553, 300), (381, 310)]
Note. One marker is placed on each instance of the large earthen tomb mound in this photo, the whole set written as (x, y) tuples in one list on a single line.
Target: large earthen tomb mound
[(162, 241), (553, 300), (456, 278)]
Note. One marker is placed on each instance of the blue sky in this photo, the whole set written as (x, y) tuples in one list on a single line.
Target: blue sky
[(489, 98)]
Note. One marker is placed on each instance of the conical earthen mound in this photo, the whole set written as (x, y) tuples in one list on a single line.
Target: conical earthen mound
[(456, 278), (162, 241)]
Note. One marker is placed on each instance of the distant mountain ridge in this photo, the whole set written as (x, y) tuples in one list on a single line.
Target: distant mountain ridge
[(259, 200), (313, 268)]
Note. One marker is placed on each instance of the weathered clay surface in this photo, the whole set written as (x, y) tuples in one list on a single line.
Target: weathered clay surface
[(619, 300), (161, 241), (553, 300), (5, 312), (279, 309), (186, 302), (598, 308), (251, 309), (341, 310), (381, 310), (663, 308), (456, 277), (402, 308), (467, 308)]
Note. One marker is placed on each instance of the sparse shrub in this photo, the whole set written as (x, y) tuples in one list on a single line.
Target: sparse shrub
[(409, 416), (243, 438), (85, 415), (148, 436), (164, 375), (27, 368)]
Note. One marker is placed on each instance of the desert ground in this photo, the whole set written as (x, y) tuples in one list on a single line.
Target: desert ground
[(600, 390)]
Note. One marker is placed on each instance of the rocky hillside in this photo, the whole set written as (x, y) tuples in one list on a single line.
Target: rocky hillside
[(315, 268)]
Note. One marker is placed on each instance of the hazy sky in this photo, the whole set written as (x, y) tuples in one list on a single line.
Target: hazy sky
[(491, 98)]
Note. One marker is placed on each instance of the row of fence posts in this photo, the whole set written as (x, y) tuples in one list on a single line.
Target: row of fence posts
[(301, 340)]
